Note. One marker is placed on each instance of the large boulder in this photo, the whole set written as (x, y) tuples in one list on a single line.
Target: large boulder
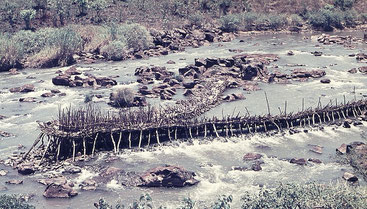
[(298, 161), (59, 191), (168, 176), (73, 71), (104, 81), (61, 80), (26, 169), (350, 177)]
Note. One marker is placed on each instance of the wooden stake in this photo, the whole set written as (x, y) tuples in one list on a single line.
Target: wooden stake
[(119, 142), (141, 137), (58, 149), (129, 139), (48, 145), (169, 134), (74, 147), (267, 103), (114, 143), (149, 138), (215, 130), (84, 148), (94, 144), (157, 135), (205, 131)]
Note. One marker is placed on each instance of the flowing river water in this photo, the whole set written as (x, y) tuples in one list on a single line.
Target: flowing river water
[(212, 160)]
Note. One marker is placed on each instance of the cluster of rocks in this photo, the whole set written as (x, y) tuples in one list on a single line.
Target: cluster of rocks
[(362, 69), (356, 155), (361, 57), (72, 78), (328, 39)]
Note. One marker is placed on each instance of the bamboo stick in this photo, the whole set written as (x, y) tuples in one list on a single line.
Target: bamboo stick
[(114, 143), (84, 148), (129, 139), (94, 144), (74, 147), (157, 134), (119, 142), (215, 130), (141, 138), (44, 153)]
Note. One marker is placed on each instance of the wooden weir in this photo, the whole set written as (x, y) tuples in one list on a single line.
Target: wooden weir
[(86, 131)]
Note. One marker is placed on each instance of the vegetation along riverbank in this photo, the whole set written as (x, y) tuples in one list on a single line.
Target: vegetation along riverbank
[(48, 33)]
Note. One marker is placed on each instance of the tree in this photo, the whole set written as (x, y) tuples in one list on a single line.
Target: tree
[(83, 6), (28, 15), (9, 10), (344, 4)]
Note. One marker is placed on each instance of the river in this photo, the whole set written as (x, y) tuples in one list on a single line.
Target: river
[(212, 160)]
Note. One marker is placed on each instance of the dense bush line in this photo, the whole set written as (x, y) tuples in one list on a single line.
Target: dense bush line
[(284, 196), (49, 47)]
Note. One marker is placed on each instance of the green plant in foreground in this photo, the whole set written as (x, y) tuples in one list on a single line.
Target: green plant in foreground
[(13, 202)]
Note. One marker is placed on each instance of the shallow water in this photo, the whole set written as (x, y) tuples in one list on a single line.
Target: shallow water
[(212, 160)]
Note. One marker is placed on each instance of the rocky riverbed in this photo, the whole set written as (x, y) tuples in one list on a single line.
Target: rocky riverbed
[(252, 65)]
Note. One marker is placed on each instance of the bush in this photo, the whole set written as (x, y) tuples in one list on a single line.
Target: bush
[(94, 37), (344, 4), (296, 20), (115, 51), (28, 15), (350, 18), (135, 36), (230, 23), (364, 17), (13, 202), (62, 9), (83, 6), (276, 21), (123, 97), (98, 6), (9, 11), (196, 19), (307, 196), (326, 19), (249, 19), (11, 53)]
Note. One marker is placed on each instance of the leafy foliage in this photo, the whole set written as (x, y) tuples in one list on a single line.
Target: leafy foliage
[(123, 97), (230, 23), (27, 15), (11, 53), (116, 51), (12, 202), (307, 196)]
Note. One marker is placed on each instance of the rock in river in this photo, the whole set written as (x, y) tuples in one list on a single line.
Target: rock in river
[(251, 156), (59, 191), (168, 176)]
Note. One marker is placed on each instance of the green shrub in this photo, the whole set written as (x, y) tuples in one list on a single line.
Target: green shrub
[(28, 15), (350, 18), (196, 19), (364, 17), (116, 51), (9, 10), (326, 19), (11, 53), (307, 196), (261, 22), (344, 4), (249, 19), (296, 20), (13, 202), (276, 21), (83, 6), (62, 9), (98, 6), (123, 97), (230, 23), (135, 36)]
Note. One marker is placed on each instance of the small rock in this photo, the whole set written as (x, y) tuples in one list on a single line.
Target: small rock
[(346, 124), (317, 53), (14, 181), (171, 62), (357, 123), (48, 94), (316, 149), (73, 71), (88, 185), (342, 149), (353, 70), (314, 160), (298, 161), (2, 117), (251, 156), (5, 134), (290, 53), (326, 80), (27, 99), (350, 177), (3, 172), (26, 169), (55, 91)]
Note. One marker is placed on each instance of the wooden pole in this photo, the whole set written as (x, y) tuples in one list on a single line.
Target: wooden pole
[(129, 139), (157, 134), (119, 142), (84, 148), (215, 130), (94, 144), (267, 103), (44, 153), (141, 137), (74, 147), (114, 143)]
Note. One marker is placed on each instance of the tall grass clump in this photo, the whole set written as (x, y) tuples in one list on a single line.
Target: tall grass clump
[(230, 23), (248, 20), (307, 196), (277, 21), (136, 36), (123, 97), (11, 53), (60, 46)]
